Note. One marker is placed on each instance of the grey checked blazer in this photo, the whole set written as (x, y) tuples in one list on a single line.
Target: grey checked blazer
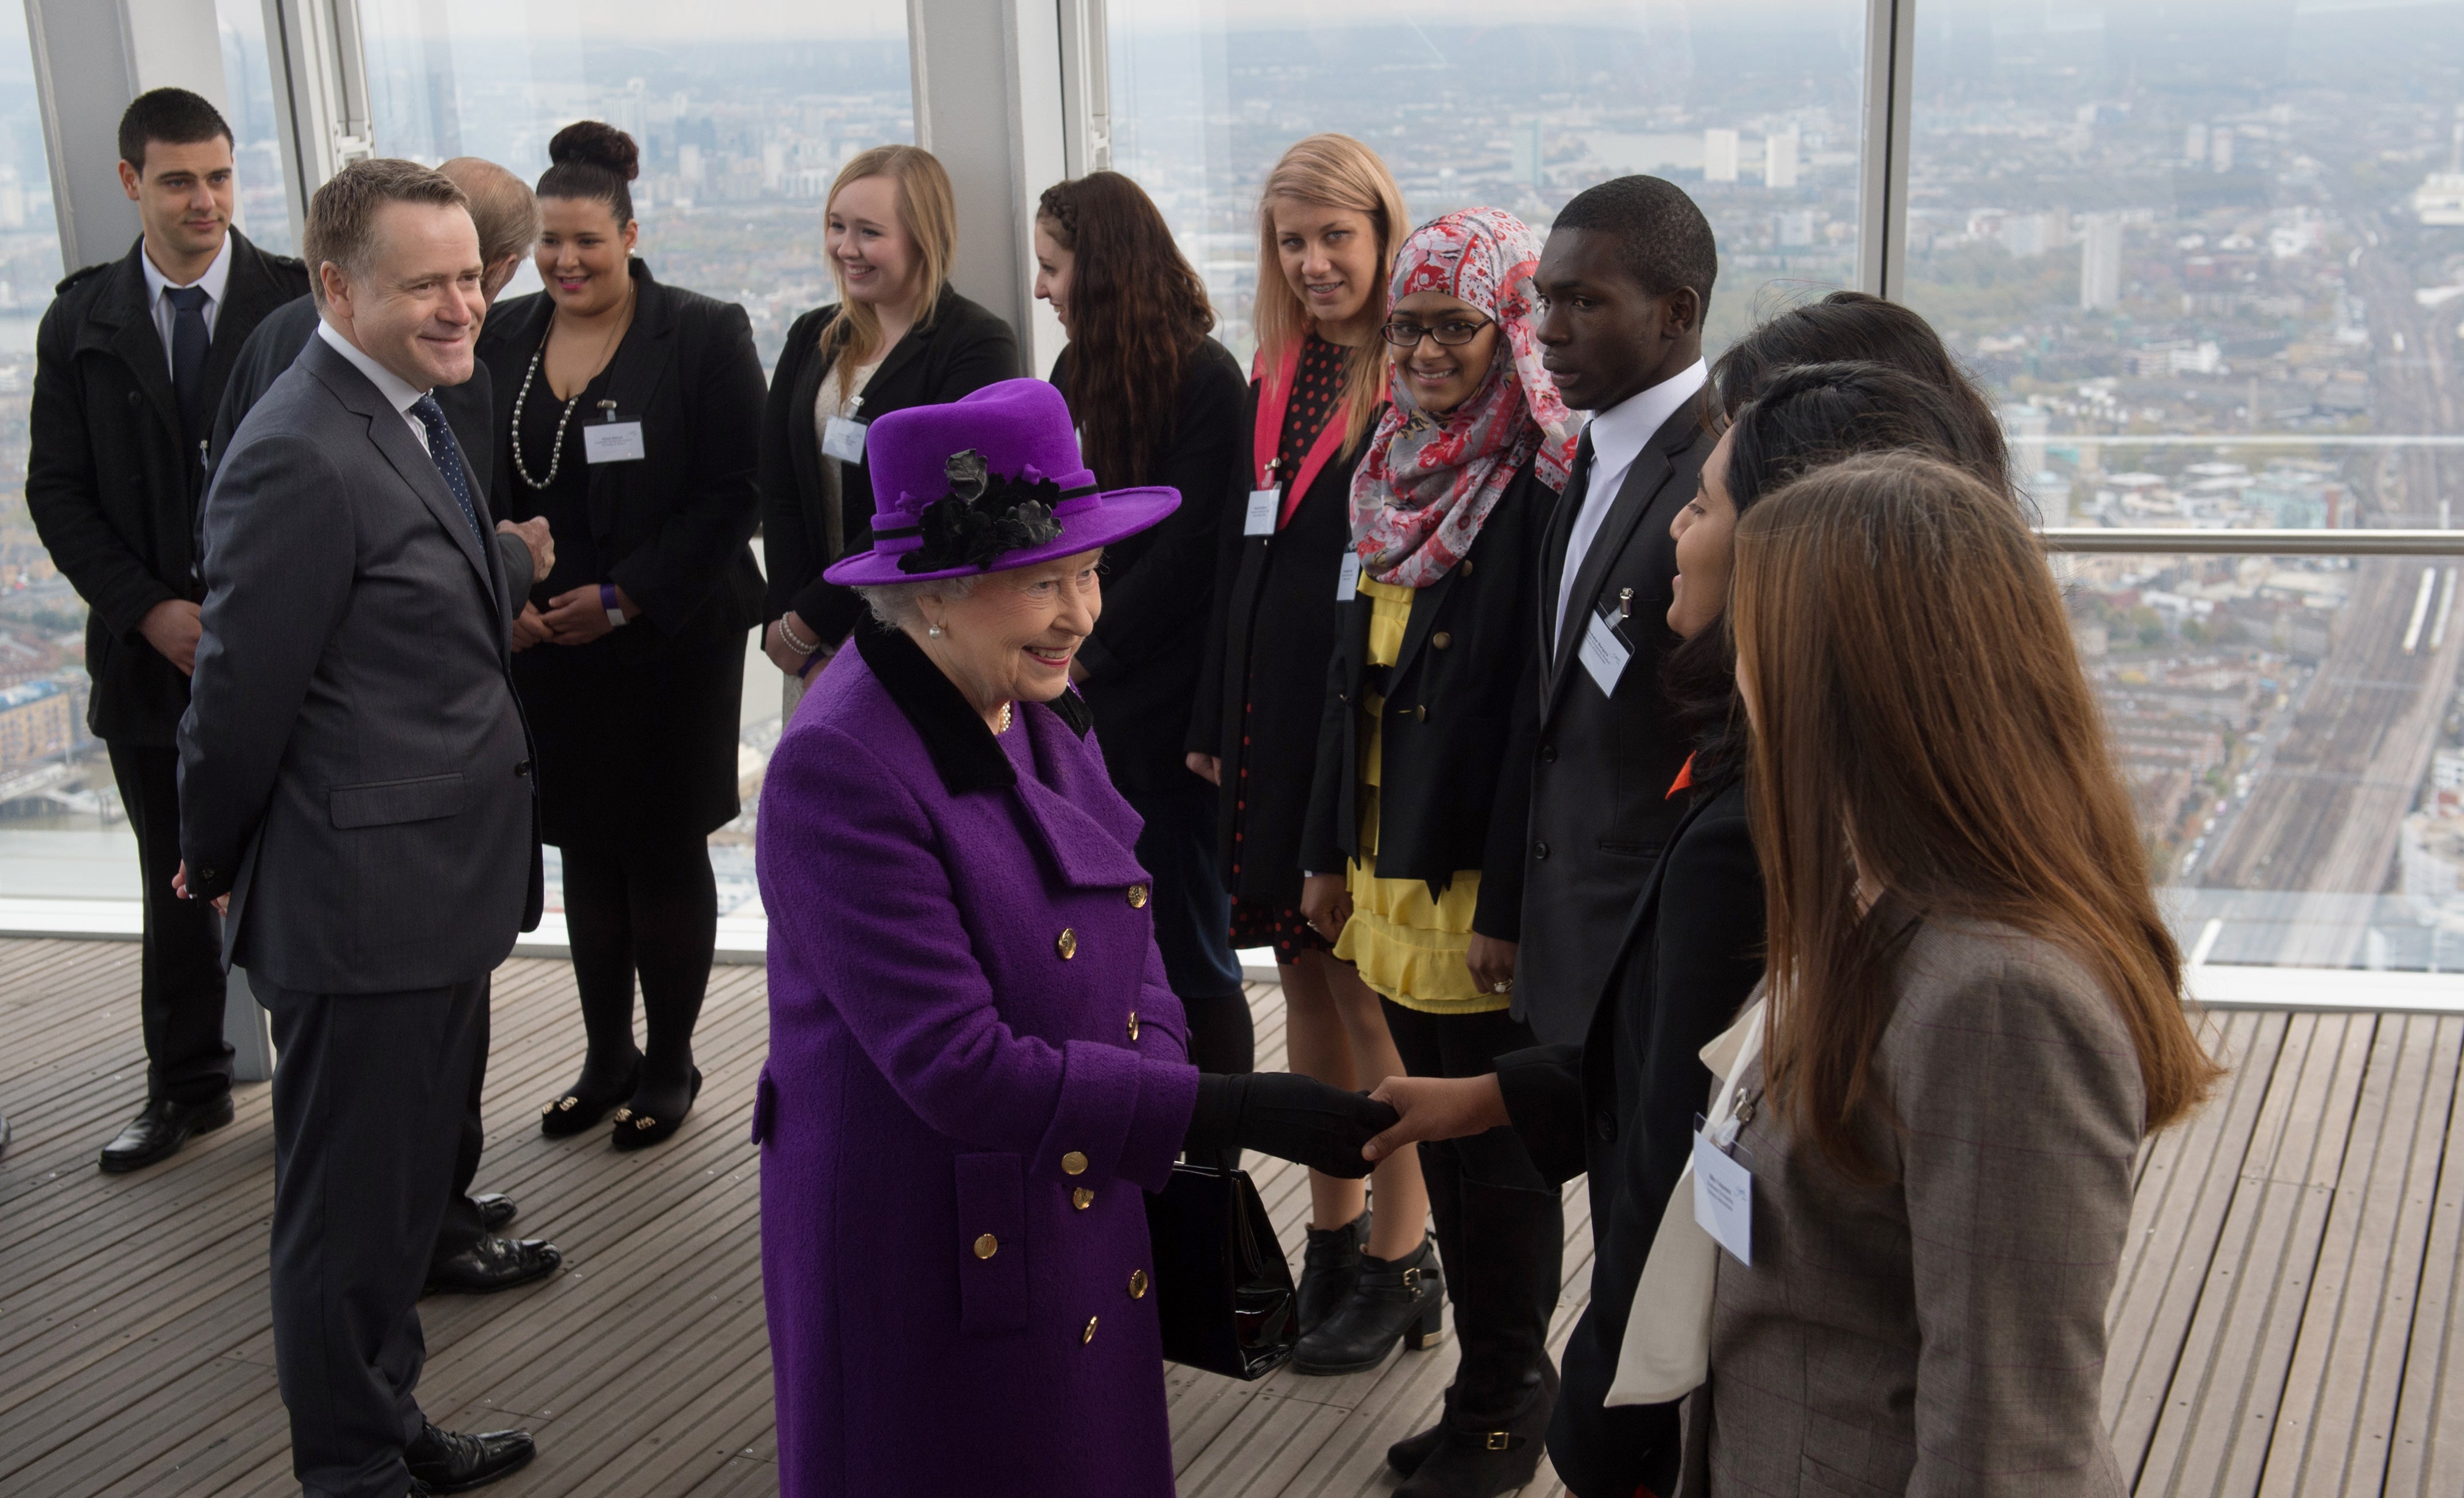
[(1941, 1332)]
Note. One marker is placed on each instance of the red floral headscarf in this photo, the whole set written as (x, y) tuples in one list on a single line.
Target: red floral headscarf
[(1428, 481)]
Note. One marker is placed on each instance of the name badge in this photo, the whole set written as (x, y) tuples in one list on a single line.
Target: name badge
[(612, 441), (843, 439), (1346, 582), (1262, 504), (1723, 1198), (1603, 655)]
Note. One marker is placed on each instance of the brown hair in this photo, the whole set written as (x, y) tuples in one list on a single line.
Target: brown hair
[(502, 206), (1333, 171), (1136, 313), (928, 210), (1916, 690), (342, 213)]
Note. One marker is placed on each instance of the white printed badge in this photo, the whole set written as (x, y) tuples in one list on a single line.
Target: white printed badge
[(612, 441), (1262, 504), (1346, 582), (1603, 654), (843, 439), (1724, 1198)]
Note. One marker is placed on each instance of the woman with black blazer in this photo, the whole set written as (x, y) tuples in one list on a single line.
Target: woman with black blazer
[(1155, 402), (1328, 220), (1418, 794), (897, 336), (625, 409)]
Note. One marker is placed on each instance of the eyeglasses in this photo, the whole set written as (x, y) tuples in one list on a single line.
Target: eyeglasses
[(1452, 334)]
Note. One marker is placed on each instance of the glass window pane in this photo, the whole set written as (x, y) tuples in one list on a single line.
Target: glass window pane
[(744, 109), (2211, 257), (264, 206), (1752, 107)]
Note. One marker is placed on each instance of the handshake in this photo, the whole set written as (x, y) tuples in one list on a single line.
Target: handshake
[(1292, 1118)]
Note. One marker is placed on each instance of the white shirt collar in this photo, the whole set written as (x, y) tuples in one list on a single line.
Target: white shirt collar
[(218, 275), (1619, 433), (392, 386)]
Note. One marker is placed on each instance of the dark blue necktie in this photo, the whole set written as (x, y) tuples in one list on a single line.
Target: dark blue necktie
[(189, 343), (447, 455)]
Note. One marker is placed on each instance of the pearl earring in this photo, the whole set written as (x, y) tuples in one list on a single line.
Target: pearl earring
[(934, 630)]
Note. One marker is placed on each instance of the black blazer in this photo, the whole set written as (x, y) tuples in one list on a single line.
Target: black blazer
[(1448, 767), (1621, 1106), (674, 525), (470, 408), (111, 481), (815, 513), (1600, 774), (1278, 614), (1142, 662)]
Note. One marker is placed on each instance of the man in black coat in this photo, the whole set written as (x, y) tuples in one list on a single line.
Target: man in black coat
[(130, 363), (1627, 272)]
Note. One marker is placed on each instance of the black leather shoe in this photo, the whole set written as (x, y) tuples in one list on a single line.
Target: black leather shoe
[(159, 1132), (449, 1462), (582, 1108), (496, 1210), (492, 1265), (1328, 1268), (1393, 1300), (639, 1128)]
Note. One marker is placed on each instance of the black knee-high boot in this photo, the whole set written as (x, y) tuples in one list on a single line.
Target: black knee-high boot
[(1503, 1265)]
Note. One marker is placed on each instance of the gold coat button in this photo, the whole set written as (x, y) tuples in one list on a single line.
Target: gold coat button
[(1082, 1199), (1467, 566), (1440, 641), (1137, 897), (1066, 944), (1133, 1024), (1088, 1335), (1073, 1163), (1422, 713), (1137, 1283), (987, 1245)]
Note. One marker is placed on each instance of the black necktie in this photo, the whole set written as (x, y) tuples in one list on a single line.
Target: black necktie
[(189, 343), (447, 455), (1570, 504)]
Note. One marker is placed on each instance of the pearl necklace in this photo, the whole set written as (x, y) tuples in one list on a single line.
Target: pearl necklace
[(1003, 725), (555, 454)]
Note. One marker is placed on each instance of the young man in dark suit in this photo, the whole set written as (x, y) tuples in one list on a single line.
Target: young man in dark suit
[(1627, 274), (130, 366)]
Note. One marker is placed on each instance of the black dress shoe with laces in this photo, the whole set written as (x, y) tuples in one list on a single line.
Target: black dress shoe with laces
[(496, 1210), (159, 1132), (493, 1264), (450, 1462)]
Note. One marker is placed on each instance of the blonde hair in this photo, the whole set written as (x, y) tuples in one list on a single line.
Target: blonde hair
[(1331, 171), (929, 211)]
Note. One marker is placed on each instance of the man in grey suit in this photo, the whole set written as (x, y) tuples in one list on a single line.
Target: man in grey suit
[(356, 782)]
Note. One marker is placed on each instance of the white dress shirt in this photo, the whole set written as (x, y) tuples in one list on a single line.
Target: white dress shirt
[(1619, 435), (217, 276), (389, 384)]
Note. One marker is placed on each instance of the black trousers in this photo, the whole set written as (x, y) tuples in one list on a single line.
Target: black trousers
[(462, 1227), (1501, 1226), (370, 1094), (181, 983)]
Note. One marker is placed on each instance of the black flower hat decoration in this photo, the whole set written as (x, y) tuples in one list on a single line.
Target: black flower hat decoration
[(985, 516)]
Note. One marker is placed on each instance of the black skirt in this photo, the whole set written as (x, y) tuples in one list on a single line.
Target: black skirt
[(633, 744)]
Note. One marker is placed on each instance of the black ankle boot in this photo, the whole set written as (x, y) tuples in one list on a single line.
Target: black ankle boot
[(1482, 1460), (1329, 1269), (1394, 1299), (1410, 1454)]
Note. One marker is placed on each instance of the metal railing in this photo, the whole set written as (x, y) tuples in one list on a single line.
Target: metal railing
[(2168, 541)]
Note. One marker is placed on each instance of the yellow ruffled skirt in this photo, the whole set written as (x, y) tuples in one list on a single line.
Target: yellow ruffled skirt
[(1405, 945)]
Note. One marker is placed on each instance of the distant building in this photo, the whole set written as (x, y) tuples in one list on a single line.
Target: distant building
[(1779, 157), (1527, 162), (2100, 262), (2431, 859), (1719, 156), (2220, 150), (37, 720), (2195, 145)]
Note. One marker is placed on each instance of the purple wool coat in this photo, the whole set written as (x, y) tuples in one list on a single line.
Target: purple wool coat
[(975, 1071)]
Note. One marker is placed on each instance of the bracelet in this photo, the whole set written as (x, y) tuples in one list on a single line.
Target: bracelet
[(615, 610), (787, 633)]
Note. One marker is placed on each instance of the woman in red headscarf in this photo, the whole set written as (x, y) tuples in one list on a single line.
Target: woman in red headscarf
[(1420, 801)]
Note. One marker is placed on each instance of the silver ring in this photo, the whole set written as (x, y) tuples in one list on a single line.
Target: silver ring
[(1501, 987)]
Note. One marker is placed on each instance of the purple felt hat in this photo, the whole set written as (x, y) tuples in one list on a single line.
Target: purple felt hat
[(988, 482)]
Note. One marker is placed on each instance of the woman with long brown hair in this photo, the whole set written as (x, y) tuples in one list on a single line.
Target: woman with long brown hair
[(1973, 1010), (1329, 221), (1157, 401), (898, 335)]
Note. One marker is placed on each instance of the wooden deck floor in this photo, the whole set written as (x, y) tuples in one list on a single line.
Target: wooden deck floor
[(2290, 1320)]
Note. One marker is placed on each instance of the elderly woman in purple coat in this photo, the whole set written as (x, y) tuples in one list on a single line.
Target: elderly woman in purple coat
[(976, 1070)]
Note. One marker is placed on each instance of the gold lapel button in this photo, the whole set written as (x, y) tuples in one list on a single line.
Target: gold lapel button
[(1066, 944), (1082, 1199), (1440, 641), (1088, 1335), (1073, 1163), (1137, 897), (987, 1245), (1133, 1024), (1137, 1283)]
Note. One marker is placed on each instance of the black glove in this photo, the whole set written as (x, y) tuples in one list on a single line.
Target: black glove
[(1293, 1117)]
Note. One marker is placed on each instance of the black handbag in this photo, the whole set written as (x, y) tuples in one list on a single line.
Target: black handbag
[(1223, 1290)]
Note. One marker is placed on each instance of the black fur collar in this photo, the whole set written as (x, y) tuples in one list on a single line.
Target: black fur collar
[(963, 750)]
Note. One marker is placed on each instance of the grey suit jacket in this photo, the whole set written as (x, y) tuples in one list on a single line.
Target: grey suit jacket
[(1940, 1331), (354, 769)]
